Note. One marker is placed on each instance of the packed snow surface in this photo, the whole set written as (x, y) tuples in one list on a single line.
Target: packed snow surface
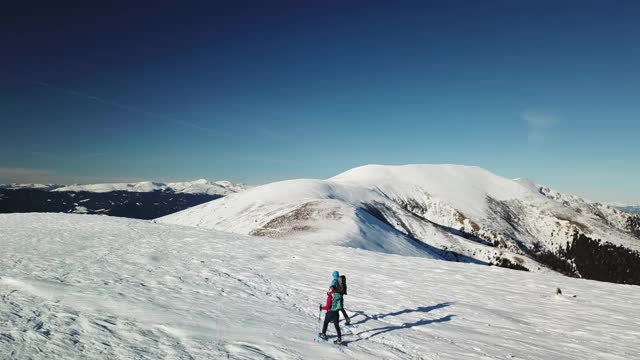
[(82, 286)]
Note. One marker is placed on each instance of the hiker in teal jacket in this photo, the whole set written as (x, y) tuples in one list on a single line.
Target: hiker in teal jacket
[(340, 283), (333, 307)]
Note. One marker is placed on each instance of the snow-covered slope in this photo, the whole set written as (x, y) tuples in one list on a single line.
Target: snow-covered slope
[(607, 213), (145, 186), (201, 186), (620, 219), (331, 212), (309, 210), (93, 287), (501, 209), (461, 187), (453, 211)]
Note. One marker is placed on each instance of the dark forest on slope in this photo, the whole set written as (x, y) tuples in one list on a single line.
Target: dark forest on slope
[(137, 205)]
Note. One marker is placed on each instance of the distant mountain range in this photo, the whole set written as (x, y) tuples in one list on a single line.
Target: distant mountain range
[(633, 209), (143, 200), (449, 212)]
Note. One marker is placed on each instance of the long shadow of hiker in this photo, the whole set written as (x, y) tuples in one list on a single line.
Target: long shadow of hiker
[(385, 329), (424, 309)]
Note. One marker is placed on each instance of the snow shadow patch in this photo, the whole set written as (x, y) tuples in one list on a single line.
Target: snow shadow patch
[(422, 309), (367, 334)]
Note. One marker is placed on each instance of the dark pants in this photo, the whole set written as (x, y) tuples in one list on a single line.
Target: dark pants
[(344, 313), (346, 317), (334, 317)]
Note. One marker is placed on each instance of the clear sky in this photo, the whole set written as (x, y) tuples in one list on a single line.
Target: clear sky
[(256, 91)]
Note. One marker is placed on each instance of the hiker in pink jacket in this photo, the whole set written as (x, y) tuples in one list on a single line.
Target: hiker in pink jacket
[(333, 307)]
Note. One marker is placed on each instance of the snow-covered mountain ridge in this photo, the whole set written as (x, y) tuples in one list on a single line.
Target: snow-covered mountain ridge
[(16, 186), (452, 212), (200, 186)]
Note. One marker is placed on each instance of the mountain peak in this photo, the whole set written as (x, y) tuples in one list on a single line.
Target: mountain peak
[(459, 212)]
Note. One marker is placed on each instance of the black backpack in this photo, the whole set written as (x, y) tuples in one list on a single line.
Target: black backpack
[(342, 285)]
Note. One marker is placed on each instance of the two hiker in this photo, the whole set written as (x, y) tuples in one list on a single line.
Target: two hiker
[(335, 305)]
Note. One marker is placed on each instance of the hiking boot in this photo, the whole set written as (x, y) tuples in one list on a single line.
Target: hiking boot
[(322, 336), (338, 341)]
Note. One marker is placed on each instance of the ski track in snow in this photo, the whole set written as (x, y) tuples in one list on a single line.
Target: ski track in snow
[(85, 287)]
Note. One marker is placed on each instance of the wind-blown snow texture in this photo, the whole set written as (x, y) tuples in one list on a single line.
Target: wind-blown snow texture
[(81, 286), (453, 212)]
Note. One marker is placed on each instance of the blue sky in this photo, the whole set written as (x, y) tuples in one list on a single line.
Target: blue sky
[(262, 91)]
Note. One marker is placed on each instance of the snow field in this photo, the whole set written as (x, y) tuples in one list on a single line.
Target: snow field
[(79, 286)]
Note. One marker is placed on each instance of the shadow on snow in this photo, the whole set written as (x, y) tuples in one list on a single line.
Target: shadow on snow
[(409, 325)]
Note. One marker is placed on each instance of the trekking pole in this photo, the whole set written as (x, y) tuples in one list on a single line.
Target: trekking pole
[(318, 326)]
